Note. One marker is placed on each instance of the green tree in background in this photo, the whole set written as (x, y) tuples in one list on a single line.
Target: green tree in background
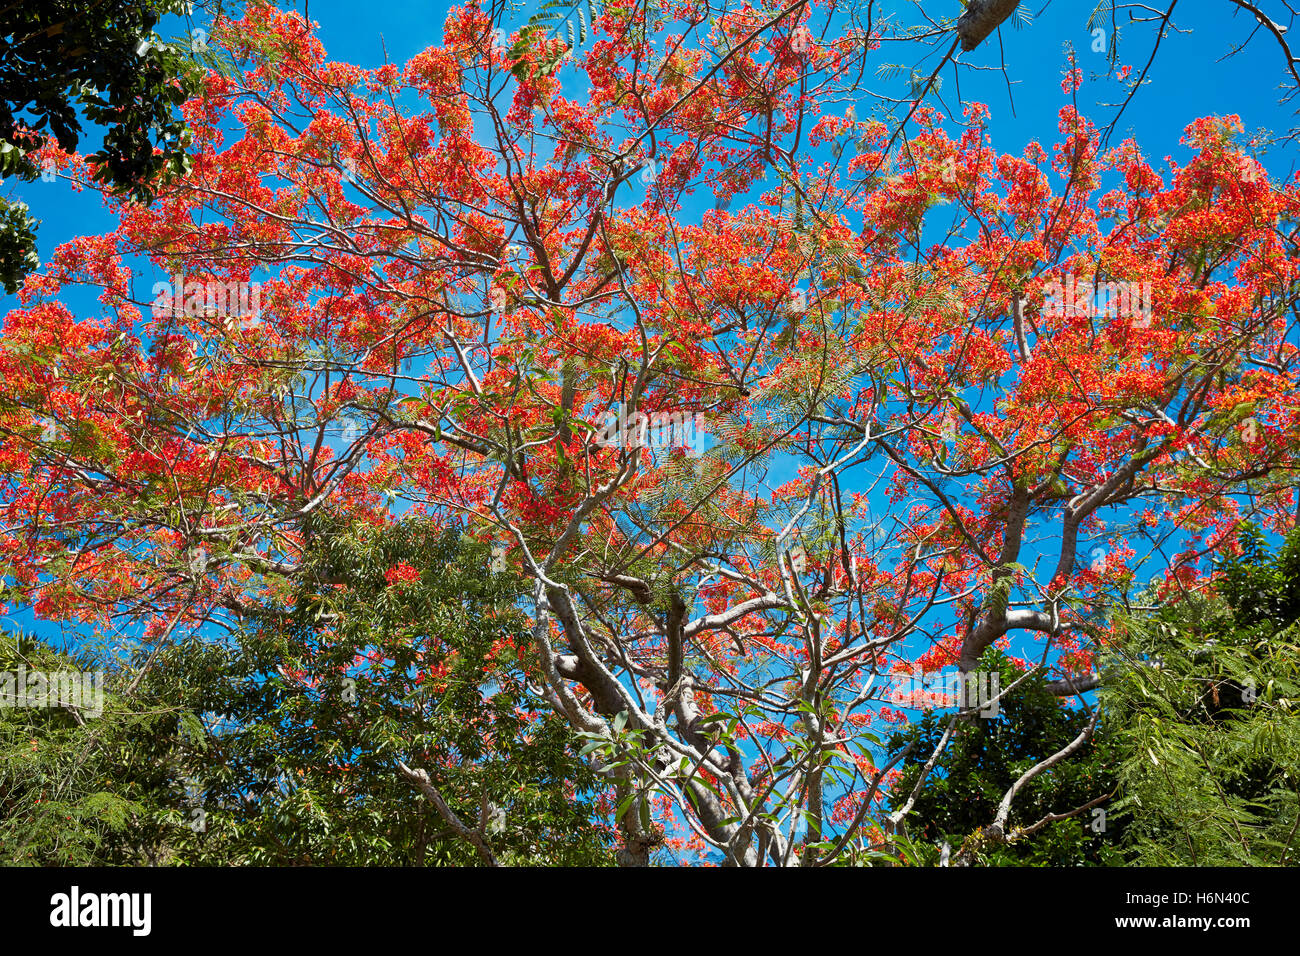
[(79, 788), (374, 664), (987, 755), (1198, 740), (1205, 697), (59, 58), (283, 745)]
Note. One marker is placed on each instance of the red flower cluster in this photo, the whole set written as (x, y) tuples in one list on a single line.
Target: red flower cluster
[(401, 574)]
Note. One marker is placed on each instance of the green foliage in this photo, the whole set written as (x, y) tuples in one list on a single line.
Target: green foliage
[(1262, 590), (986, 756), (59, 57), (280, 745), (1205, 691), (1199, 739), (17, 243), (555, 18), (318, 707), (76, 793)]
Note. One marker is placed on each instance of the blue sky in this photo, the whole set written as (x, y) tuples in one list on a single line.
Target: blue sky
[(1185, 81)]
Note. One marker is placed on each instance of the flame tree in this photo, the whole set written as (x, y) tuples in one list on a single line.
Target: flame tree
[(940, 416)]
